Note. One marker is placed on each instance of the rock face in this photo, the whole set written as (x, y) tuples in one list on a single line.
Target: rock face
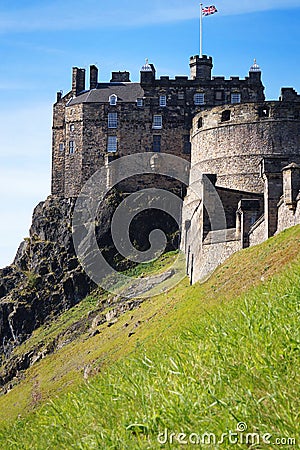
[(45, 278)]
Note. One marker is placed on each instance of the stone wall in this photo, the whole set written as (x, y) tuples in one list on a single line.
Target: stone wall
[(79, 119), (251, 153), (58, 145), (257, 233), (213, 255), (287, 217), (231, 140)]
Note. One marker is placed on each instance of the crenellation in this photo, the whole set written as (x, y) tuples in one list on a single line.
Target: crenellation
[(289, 94), (174, 100), (254, 151), (225, 127)]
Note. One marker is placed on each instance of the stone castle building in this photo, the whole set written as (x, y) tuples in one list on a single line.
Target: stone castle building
[(120, 117), (248, 149), (250, 154)]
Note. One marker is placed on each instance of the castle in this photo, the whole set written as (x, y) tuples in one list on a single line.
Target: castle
[(248, 148), (250, 155), (121, 117)]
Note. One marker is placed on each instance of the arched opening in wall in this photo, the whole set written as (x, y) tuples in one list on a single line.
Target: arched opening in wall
[(263, 111), (225, 115), (200, 122)]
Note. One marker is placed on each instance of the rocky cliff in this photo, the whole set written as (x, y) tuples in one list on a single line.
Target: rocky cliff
[(46, 277)]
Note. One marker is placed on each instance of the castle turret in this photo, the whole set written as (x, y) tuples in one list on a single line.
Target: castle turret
[(78, 81), (147, 73), (200, 68), (93, 77), (255, 72)]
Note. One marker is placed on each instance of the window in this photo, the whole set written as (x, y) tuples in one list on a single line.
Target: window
[(162, 100), (235, 98), (61, 147), (199, 99), (139, 102), (186, 144), (219, 95), (112, 120), (200, 122), (225, 115), (112, 143), (72, 127), (263, 111), (113, 99), (71, 147), (180, 95), (157, 121), (156, 143)]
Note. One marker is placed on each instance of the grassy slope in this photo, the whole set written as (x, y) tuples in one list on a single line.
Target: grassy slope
[(202, 359)]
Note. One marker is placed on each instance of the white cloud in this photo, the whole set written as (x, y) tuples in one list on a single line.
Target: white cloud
[(96, 14), (25, 132), (25, 155), (248, 6)]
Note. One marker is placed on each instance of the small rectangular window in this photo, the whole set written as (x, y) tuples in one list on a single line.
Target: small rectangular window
[(139, 102), (186, 144), (156, 143), (200, 122), (157, 122), (180, 96), (225, 115), (199, 99), (112, 143), (219, 95), (162, 100), (71, 147), (72, 127), (263, 111), (112, 120), (61, 147), (235, 98)]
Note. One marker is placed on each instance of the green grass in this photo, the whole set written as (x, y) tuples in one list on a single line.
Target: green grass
[(202, 359), (60, 326)]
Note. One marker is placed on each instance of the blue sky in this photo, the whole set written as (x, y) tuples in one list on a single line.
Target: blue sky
[(41, 41)]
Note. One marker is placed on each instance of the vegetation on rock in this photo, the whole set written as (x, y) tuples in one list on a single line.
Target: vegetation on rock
[(203, 358)]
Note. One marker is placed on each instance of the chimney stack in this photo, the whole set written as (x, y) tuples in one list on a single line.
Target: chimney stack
[(93, 77), (78, 81)]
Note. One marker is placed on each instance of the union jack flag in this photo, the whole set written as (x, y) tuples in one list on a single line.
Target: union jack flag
[(208, 10)]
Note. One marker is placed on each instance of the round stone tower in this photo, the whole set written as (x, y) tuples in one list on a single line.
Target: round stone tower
[(231, 140)]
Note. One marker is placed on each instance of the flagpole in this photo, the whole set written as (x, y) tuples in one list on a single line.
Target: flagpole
[(201, 15)]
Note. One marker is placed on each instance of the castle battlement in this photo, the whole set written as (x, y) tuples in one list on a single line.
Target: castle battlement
[(231, 140), (121, 117), (251, 153), (244, 144)]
